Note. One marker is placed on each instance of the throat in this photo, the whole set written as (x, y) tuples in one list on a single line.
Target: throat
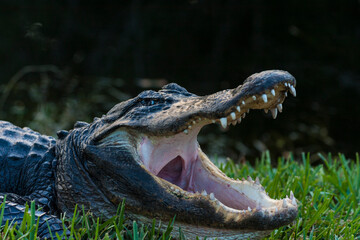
[(173, 170)]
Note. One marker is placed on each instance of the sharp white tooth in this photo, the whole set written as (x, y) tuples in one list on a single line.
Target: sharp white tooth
[(274, 112), (239, 120), (248, 110), (244, 115), (249, 179), (292, 90), (258, 206), (284, 205), (285, 94), (194, 122), (223, 122), (249, 208), (189, 126), (266, 110), (276, 210), (286, 84), (212, 197), (204, 193), (243, 103), (172, 188), (213, 121), (233, 115), (186, 131), (293, 201), (273, 92), (257, 180), (264, 97), (177, 190), (254, 97), (279, 107), (291, 195), (233, 123), (238, 108), (199, 119)]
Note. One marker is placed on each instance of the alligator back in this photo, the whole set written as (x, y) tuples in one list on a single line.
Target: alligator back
[(27, 163)]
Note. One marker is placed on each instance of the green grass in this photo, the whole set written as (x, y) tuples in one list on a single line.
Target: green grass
[(328, 195)]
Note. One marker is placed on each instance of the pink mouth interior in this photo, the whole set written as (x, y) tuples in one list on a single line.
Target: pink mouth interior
[(176, 159)]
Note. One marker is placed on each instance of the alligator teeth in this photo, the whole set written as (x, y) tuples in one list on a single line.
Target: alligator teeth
[(239, 120), (212, 197), (266, 110), (257, 180), (223, 122), (238, 108), (274, 112), (249, 208), (279, 107), (194, 122), (189, 126), (248, 110), (186, 131), (213, 121), (242, 102), (276, 209), (286, 84), (273, 92), (291, 195), (285, 94), (249, 179), (233, 115), (204, 193), (244, 115), (284, 205), (254, 97), (264, 97), (292, 90)]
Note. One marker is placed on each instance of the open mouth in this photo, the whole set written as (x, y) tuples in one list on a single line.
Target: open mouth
[(179, 159), (181, 179)]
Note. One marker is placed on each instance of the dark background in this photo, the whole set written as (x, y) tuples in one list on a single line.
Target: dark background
[(62, 61)]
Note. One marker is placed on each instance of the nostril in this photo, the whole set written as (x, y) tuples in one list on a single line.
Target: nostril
[(172, 171)]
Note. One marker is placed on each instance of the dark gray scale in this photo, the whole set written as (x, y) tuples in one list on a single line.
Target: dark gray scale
[(27, 163)]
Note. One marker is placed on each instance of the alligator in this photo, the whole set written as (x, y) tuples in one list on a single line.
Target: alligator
[(145, 150)]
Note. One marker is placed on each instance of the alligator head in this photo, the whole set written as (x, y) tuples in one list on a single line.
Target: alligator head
[(145, 150)]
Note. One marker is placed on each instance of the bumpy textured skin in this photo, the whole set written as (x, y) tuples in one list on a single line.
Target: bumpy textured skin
[(78, 169), (27, 161)]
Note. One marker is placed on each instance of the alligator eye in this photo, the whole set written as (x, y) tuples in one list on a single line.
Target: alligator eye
[(149, 102)]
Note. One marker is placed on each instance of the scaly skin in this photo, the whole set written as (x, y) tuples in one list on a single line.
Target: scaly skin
[(145, 150)]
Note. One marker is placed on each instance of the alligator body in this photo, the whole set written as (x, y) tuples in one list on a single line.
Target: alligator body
[(145, 150)]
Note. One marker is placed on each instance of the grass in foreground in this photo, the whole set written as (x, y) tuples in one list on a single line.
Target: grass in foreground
[(328, 195)]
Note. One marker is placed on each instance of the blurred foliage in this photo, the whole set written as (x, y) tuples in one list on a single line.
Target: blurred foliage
[(63, 61)]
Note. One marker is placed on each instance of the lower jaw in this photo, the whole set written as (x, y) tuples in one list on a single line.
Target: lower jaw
[(193, 231)]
